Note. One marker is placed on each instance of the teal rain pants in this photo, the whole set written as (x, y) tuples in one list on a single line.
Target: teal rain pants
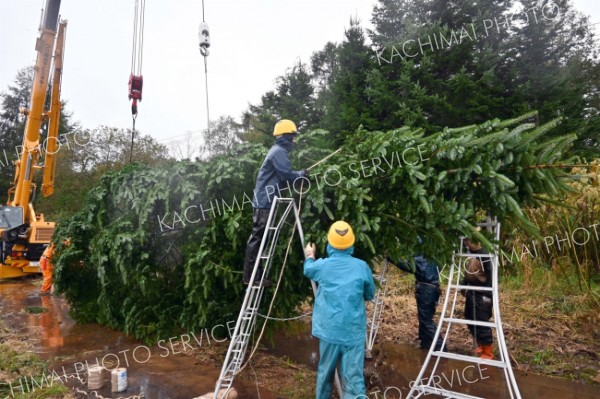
[(352, 360)]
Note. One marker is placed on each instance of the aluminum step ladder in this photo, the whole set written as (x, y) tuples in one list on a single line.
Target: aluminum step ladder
[(246, 322), (424, 387), (374, 319)]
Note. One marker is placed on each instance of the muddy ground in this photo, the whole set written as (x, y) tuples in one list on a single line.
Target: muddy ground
[(553, 357)]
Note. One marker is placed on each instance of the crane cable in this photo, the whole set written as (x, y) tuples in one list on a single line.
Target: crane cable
[(204, 53), (135, 77)]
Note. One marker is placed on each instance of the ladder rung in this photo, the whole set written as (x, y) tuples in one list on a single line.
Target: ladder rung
[(442, 392), (470, 322), (472, 255), (470, 287), (487, 224), (470, 359)]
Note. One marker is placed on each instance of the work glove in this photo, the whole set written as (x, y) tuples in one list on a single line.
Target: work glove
[(309, 250)]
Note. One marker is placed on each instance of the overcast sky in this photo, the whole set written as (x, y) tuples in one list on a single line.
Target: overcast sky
[(252, 42)]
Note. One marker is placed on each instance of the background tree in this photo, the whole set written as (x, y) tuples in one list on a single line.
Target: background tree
[(511, 62), (12, 125), (347, 105), (222, 135), (293, 98), (85, 156)]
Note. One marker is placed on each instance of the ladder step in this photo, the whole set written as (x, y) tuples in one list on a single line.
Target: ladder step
[(472, 255), (487, 224), (470, 322), (469, 359), (470, 287), (442, 392)]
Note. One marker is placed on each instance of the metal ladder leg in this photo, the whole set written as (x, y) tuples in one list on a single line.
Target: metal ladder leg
[(378, 304), (247, 318), (246, 321), (422, 389)]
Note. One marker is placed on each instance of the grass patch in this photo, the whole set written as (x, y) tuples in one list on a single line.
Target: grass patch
[(22, 374), (35, 309)]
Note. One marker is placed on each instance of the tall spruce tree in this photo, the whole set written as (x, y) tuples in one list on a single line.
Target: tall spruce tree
[(347, 104), (293, 98), (452, 63)]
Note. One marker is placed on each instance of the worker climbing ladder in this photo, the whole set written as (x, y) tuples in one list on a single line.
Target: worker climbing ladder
[(278, 215), (374, 319), (424, 387)]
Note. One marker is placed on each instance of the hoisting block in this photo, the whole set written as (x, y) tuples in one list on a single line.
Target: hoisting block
[(223, 394)]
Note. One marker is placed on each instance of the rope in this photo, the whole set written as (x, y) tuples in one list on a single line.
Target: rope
[(288, 319), (203, 11)]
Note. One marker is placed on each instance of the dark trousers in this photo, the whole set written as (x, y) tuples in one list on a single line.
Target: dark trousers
[(479, 307), (427, 296), (259, 223)]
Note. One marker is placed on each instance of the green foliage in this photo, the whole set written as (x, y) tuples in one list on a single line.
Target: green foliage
[(137, 262), (546, 62)]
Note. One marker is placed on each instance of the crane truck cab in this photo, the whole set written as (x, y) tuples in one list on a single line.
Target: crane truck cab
[(22, 243)]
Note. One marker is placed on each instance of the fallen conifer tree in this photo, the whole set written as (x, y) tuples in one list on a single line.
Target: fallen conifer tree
[(157, 250)]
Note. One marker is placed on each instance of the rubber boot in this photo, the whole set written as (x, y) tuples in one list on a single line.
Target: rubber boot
[(479, 350), (487, 352)]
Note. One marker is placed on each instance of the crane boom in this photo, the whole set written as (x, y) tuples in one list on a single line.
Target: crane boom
[(51, 144), (24, 233)]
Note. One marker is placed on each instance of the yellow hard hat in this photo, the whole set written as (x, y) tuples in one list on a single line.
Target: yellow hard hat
[(340, 235), (284, 126)]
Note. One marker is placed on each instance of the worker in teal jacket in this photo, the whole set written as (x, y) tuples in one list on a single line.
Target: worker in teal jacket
[(339, 317)]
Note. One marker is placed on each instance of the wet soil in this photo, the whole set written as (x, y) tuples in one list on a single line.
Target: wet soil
[(180, 371), (394, 368), (169, 372)]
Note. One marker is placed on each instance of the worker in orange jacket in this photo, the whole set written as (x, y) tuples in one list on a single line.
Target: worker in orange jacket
[(47, 270)]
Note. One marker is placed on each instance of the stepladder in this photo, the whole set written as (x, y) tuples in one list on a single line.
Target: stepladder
[(283, 210), (428, 383), (375, 314)]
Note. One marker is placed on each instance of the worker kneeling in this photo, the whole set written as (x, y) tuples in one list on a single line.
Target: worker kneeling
[(339, 317)]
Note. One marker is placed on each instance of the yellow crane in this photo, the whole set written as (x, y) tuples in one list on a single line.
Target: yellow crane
[(25, 234)]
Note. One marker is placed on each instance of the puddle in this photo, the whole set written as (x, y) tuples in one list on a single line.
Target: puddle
[(394, 368), (158, 373)]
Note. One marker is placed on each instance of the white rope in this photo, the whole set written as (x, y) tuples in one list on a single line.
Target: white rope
[(288, 319)]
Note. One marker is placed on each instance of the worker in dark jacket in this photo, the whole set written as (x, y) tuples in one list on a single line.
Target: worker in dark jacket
[(478, 304), (339, 317), (275, 178), (427, 294)]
